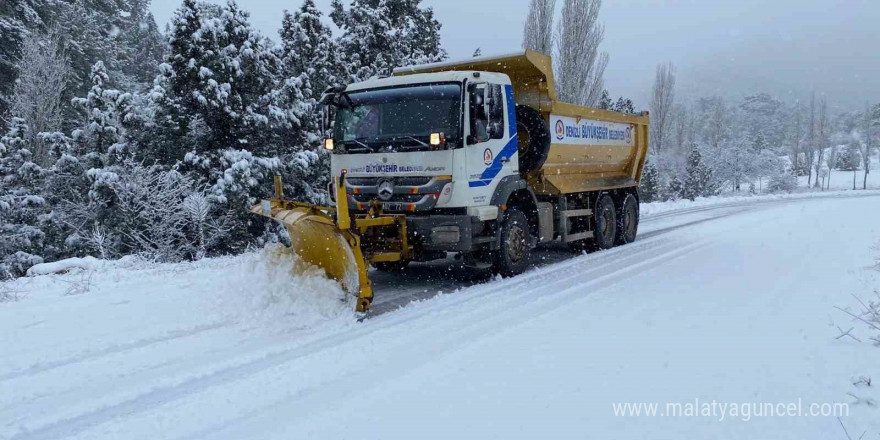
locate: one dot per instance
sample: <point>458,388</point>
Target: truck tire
<point>627,220</point>
<point>512,257</point>
<point>533,139</point>
<point>605,222</point>
<point>391,266</point>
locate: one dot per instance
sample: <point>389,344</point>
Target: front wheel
<point>512,258</point>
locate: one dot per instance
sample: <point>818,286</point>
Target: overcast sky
<point>727,47</point>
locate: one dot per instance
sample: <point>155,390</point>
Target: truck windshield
<point>399,118</point>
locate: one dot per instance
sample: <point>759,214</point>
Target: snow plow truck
<point>477,158</point>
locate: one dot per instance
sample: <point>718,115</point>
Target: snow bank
<point>273,284</point>
<point>66,265</point>
<point>259,288</point>
<point>648,210</point>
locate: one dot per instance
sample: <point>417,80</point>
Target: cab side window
<point>486,112</point>
<point>495,105</point>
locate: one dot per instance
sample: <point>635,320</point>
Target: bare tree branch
<point>580,67</point>
<point>43,73</point>
<point>662,100</point>
<point>538,29</point>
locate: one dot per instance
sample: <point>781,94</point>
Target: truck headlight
<point>437,139</point>
<point>328,144</point>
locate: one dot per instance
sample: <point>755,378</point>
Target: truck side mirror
<point>326,119</point>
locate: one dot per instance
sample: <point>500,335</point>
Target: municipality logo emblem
<point>560,129</point>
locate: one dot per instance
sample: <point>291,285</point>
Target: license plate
<point>394,206</point>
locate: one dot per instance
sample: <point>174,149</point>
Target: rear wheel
<point>627,220</point>
<point>391,266</point>
<point>605,223</point>
<point>513,255</point>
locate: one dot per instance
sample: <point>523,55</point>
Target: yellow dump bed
<point>591,149</point>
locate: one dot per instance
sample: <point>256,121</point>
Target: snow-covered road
<point>732,303</point>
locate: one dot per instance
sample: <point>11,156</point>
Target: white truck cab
<point>436,146</point>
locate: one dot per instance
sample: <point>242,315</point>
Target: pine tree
<point>307,48</point>
<point>674,189</point>
<point>142,46</point>
<point>379,35</point>
<point>102,131</point>
<point>649,187</point>
<point>698,179</point>
<point>21,238</point>
<point>90,28</point>
<point>605,101</point>
<point>849,158</point>
<point>216,85</point>
<point>624,105</point>
<point>759,142</point>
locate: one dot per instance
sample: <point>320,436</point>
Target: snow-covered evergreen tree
<point>90,29</point>
<point>674,189</point>
<point>307,48</point>
<point>142,47</point>
<point>849,158</point>
<point>217,83</point>
<point>624,105</point>
<point>21,206</point>
<point>379,35</point>
<point>698,179</point>
<point>605,102</point>
<point>105,108</point>
<point>649,187</point>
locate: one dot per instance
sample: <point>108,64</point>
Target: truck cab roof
<point>423,78</point>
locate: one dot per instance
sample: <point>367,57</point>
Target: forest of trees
<point>120,139</point>
<point>758,143</point>
<point>117,138</point>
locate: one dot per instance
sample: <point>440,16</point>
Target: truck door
<point>491,142</point>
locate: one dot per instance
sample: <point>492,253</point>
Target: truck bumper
<point>450,233</point>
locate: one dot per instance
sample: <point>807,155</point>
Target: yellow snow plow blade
<point>330,239</point>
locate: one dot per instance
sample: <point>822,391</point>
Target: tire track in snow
<point>165,394</point>
<point>113,349</point>
<point>255,363</point>
<point>519,310</point>
<point>400,290</point>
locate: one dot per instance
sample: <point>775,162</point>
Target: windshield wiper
<point>363,145</point>
<point>422,143</point>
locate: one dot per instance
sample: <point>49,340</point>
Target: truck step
<point>576,212</point>
<point>577,236</point>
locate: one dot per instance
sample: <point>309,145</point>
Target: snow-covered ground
<point>843,180</point>
<point>731,301</point>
